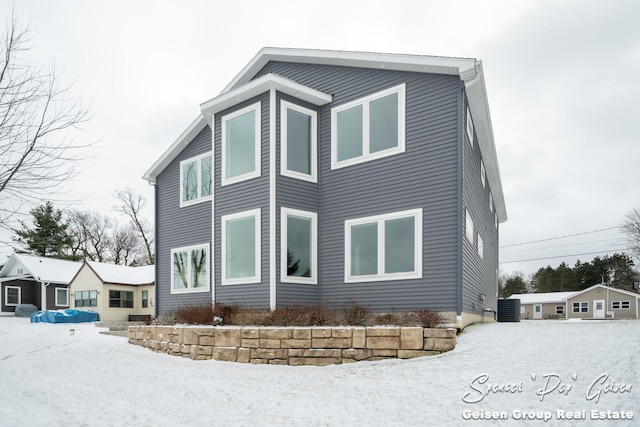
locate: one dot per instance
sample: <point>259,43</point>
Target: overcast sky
<point>562,82</point>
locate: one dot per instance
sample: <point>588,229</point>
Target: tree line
<point>615,270</point>
<point>87,235</point>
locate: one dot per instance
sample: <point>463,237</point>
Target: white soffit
<point>178,145</point>
<point>259,86</point>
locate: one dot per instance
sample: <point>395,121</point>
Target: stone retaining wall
<point>293,345</point>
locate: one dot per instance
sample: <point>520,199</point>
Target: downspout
<point>272,199</point>
<point>460,210</point>
<point>155,251</point>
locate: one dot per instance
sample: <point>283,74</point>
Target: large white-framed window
<point>62,297</point>
<point>241,241</point>
<point>195,179</point>
<point>241,133</point>
<point>12,296</point>
<point>469,126</point>
<point>384,247</point>
<point>298,132</point>
<point>468,226</point>
<point>298,246</point>
<point>368,128</point>
<point>190,269</point>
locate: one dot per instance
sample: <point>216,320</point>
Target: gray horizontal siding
<point>479,274</point>
<point>178,227</point>
<point>423,177</point>
<point>294,194</point>
<point>239,197</point>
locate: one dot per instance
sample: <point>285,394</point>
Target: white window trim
<point>258,137</point>
<point>480,246</point>
<point>199,198</point>
<point>483,175</point>
<point>580,304</point>
<point>469,126</point>
<point>380,219</point>
<point>366,155</point>
<point>284,162</point>
<point>188,249</point>
<point>58,304</point>
<point>468,226</point>
<point>284,277</point>
<point>559,309</point>
<point>490,203</point>
<point>6,296</point>
<point>257,215</point>
<point>620,305</point>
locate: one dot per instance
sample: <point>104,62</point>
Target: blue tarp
<point>64,316</point>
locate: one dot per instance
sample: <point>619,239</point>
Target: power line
<point>559,237</point>
<point>564,256</point>
<point>590,242</point>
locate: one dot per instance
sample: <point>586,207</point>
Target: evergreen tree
<point>512,285</point>
<point>48,236</point>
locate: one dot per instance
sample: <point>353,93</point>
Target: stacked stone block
<point>296,346</point>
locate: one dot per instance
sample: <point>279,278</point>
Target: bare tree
<point>125,245</point>
<point>631,226</point>
<point>132,206</point>
<point>91,233</point>
<point>37,157</point>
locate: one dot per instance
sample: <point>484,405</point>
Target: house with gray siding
<point>40,281</point>
<point>328,177</point>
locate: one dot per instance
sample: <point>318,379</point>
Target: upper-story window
<point>195,179</point>
<point>368,128</point>
<point>241,145</point>
<point>483,174</point>
<point>468,226</point>
<point>299,142</point>
<point>469,126</point>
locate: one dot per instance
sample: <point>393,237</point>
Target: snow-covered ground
<point>544,369</point>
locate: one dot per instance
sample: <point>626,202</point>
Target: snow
<point>51,376</point>
<point>122,274</point>
<point>42,268</point>
<point>543,297</point>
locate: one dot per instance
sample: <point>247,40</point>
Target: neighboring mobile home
<point>547,305</point>
<point>600,301</point>
<point>114,291</point>
<point>329,177</point>
<point>41,281</point>
<point>597,302</point>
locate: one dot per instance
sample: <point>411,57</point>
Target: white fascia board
<point>259,86</point>
<point>479,106</point>
<point>20,277</point>
<point>399,62</point>
<point>622,291</point>
<point>178,145</point>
